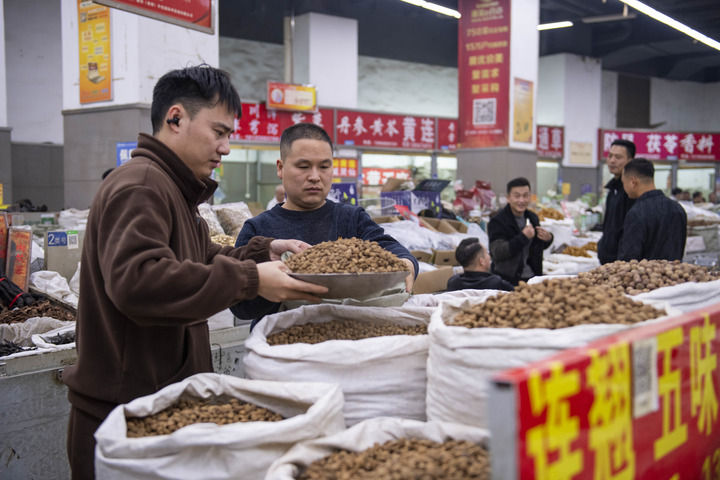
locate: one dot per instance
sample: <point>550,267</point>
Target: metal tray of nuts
<point>354,285</point>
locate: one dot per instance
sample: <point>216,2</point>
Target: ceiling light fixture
<point>434,7</point>
<point>550,26</point>
<point>608,18</point>
<point>661,17</point>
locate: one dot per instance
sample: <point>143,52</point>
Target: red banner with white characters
<point>666,145</point>
<point>642,404</point>
<point>345,167</point>
<point>447,136</point>
<point>365,129</point>
<point>195,14</point>
<point>550,141</point>
<point>484,73</point>
<point>258,124</point>
<point>378,176</point>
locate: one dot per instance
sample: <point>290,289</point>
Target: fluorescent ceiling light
<point>434,7</point>
<point>608,18</point>
<point>550,26</point>
<point>661,17</point>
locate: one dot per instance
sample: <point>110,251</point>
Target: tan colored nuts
<point>341,330</point>
<point>345,255</point>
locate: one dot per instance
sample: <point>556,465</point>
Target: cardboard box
<point>459,226</point>
<point>422,256</point>
<point>416,201</point>
<point>392,184</point>
<point>387,219</point>
<point>444,257</point>
<point>431,282</point>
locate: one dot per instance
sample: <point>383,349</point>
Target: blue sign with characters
<point>122,150</point>
<point>57,239</point>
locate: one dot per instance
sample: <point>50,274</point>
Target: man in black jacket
<point>476,275</point>
<point>617,203</point>
<point>517,240</point>
<point>655,227</point>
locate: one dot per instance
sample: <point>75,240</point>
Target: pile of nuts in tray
<point>341,330</point>
<point>345,255</point>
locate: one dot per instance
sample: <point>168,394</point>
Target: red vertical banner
<point>483,73</point>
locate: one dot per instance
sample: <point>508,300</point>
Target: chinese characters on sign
<point>378,176</point>
<point>447,136</point>
<point>344,167</point>
<point>195,14</point>
<point>284,96</point>
<point>94,58</point>
<point>578,418</point>
<point>550,141</point>
<point>666,145</point>
<point>383,130</point>
<point>259,124</point>
<point>483,73</point>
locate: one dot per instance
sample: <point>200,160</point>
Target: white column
<point>3,69</point>
<point>325,54</point>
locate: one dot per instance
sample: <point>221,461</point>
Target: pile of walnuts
<point>191,410</point>
<point>345,255</point>
<point>404,459</point>
<point>341,330</point>
<point>636,277</point>
<point>556,303</point>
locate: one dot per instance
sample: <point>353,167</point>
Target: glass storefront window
<point>238,175</point>
<point>697,179</point>
<point>547,179</point>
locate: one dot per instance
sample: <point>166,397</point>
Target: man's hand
<point>543,234</point>
<point>528,231</point>
<point>277,286</point>
<point>278,247</point>
<point>410,279</point>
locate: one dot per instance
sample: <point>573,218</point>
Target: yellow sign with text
<point>94,50</point>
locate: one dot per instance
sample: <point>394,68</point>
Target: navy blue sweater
<point>327,223</point>
<point>478,281</point>
<point>655,229</point>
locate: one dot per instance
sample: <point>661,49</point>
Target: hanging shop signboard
<point>666,145</point>
<point>258,124</point>
<point>447,135</point>
<point>295,98</point>
<point>378,176</point>
<point>642,404</point>
<point>195,14</point>
<point>483,73</point>
<point>94,52</point>
<point>381,130</point>
<point>345,167</point>
<point>550,141</point>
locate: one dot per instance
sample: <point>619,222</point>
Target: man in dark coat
<point>617,203</point>
<point>517,240</point>
<point>476,275</point>
<point>656,226</point>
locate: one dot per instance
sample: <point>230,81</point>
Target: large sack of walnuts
<point>244,426</point>
<point>471,340</point>
<point>377,355</point>
<point>383,448</point>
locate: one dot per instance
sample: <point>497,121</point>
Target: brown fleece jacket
<point>150,277</point>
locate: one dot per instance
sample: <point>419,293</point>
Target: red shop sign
<point>195,14</point>
<point>447,134</point>
<point>550,141</point>
<point>378,176</point>
<point>666,145</point>
<point>642,404</point>
<point>258,124</point>
<point>385,131</point>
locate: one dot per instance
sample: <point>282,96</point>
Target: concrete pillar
<point>5,160</point>
<point>325,54</point>
<point>142,50</point>
<point>570,91</point>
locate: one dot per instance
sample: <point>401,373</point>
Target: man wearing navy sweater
<point>306,169</point>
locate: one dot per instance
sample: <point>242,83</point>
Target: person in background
<point>676,193</point>
<point>476,275</point>
<point>617,202</point>
<point>150,275</point>
<point>107,172</point>
<point>655,227</point>
<point>697,197</point>
<point>278,198</point>
<point>713,198</point>
<point>517,240</point>
<point>305,167</point>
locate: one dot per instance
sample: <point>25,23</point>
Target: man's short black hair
<point>194,88</point>
<point>676,191</point>
<point>468,249</point>
<point>300,131</point>
<point>518,182</point>
<point>697,194</point>
<point>641,168</point>
<point>107,172</point>
<point>629,146</point>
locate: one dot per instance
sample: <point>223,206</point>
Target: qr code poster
<point>484,111</point>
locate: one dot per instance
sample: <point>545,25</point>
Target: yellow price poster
<point>94,46</point>
<point>523,111</point>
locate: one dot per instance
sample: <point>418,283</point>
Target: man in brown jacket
<point>150,275</point>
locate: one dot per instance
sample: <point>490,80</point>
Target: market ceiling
<point>396,30</point>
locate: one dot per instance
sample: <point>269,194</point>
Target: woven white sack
<point>364,435</point>
<point>461,360</point>
<point>210,451</point>
<point>381,376</point>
